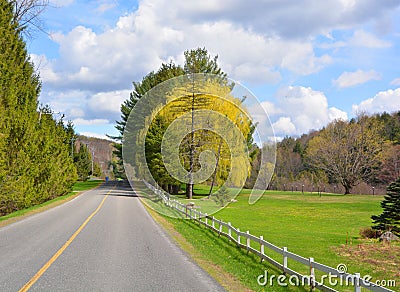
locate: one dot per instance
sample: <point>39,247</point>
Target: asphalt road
<point>120,248</point>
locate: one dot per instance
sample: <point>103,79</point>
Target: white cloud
<point>349,79</point>
<point>105,6</point>
<point>256,73</point>
<point>103,62</point>
<point>284,126</point>
<point>140,41</point>
<point>362,38</point>
<point>44,66</point>
<point>348,4</point>
<point>85,105</point>
<point>61,3</point>
<point>68,102</point>
<point>388,101</point>
<point>108,102</point>
<point>303,109</point>
<point>301,59</point>
<point>258,43</point>
<point>84,122</point>
<point>77,112</point>
<point>395,82</point>
<point>250,48</point>
<point>286,19</point>
<point>336,114</point>
<point>270,108</point>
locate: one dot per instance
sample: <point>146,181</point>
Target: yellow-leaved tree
<point>207,132</point>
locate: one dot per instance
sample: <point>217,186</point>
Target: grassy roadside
<point>21,214</point>
<point>229,265</point>
<point>227,280</point>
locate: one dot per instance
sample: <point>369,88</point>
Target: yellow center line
<point>61,250</point>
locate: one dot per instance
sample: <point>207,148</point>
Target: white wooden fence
<point>245,239</point>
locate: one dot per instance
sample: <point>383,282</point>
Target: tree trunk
<point>347,188</point>
<point>216,166</point>
<point>189,191</point>
<point>189,186</point>
<point>175,189</point>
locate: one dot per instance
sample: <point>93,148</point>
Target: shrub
<point>368,232</point>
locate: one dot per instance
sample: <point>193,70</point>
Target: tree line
<point>38,157</point>
<point>362,154</point>
<point>344,155</point>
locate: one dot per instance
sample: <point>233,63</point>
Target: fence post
<point>220,228</point>
<point>357,287</point>
<point>206,219</point>
<point>247,241</point>
<point>212,221</point>
<point>284,260</point>
<point>229,230</point>
<point>312,274</point>
<point>262,247</point>
<point>238,236</point>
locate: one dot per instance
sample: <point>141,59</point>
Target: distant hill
<point>101,150</point>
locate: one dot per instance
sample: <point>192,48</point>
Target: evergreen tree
<point>83,162</point>
<point>51,153</point>
<point>166,72</point>
<point>35,164</point>
<point>18,97</point>
<point>390,218</point>
<point>200,61</point>
<point>154,158</point>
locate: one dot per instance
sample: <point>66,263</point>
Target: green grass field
<point>325,228</point>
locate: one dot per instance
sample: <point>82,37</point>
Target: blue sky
<point>308,61</point>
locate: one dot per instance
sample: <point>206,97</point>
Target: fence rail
<point>244,239</point>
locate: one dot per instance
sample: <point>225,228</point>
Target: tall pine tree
<point>166,72</point>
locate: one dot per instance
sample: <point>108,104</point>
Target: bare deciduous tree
<point>347,151</point>
<point>27,14</point>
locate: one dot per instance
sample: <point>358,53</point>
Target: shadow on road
<point>118,189</point>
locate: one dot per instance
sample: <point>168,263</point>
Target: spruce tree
<point>83,162</point>
<point>18,96</point>
<point>390,218</point>
<point>35,162</point>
